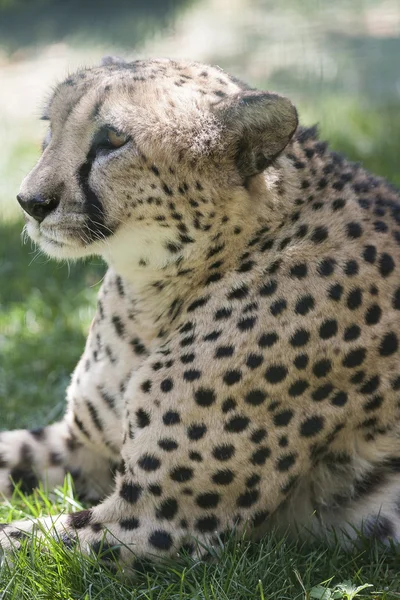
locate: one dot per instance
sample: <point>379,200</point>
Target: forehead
<point>165,80</point>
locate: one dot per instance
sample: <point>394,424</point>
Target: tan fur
<point>242,367</point>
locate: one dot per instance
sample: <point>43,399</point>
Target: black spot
<point>283,418</point>
<point>386,264</point>
<point>298,388</point>
<point>187,358</point>
<point>167,444</point>
<point>222,313</point>
<point>260,455</point>
<point>145,386</point>
<point>328,329</point>
<point>396,299</point>
<point>207,524</point>
<point>166,385</point>
<point>195,456</point>
<point>339,399</point>
<point>351,268</point>
<point>198,303</point>
<point>196,431</point>
<point>354,299</point>
<point>259,518</point>
<point>254,360</point>
<point>191,375</point>
<point>299,338</point>
<point>389,344</point>
<point>373,314</point>
<point>148,462</point>
<point>278,307</point>
<point>213,336</point>
<point>371,385</point>
<point>319,234</point>
<point>155,489</point>
<point>369,254</point>
<point>248,498</point>
<point>130,524</point>
<point>246,324</point>
<point>237,424</point>
<point>286,462</point>
<point>312,426</point>
<point>130,492</point>
<point>322,392</point>
<point>161,540</point>
<point>181,474</point>
<point>299,271</point>
<point>326,267</point>
<point>354,358</point>
<point>228,405</point>
<point>301,361</point>
<point>258,435</point>
<point>380,226</point>
<point>322,367</point>
<point>374,403</point>
<point>276,373</point>
<point>335,292</point>
<point>269,339</point>
<point>204,397</point>
<point>167,509</point>
<point>255,397</point>
<point>238,293</point>
<point>304,305</point>
<point>353,230</point>
<point>351,333</point>
<point>224,351</point>
<point>224,477</point>
<point>223,452</point>
<point>171,417</point>
<point>232,377</point>
<point>142,418</point>
<point>338,204</point>
<point>268,288</point>
<point>208,500</point>
<point>118,325</point>
<point>253,480</point>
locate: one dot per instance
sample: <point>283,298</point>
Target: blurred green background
<point>338,60</point>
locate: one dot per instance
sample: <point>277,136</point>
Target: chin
<point>58,246</point>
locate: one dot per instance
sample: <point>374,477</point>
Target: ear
<point>112,60</point>
<point>258,126</point>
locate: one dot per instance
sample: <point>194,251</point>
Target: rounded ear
<point>112,60</point>
<point>259,125</point>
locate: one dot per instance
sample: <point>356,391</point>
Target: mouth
<point>59,243</point>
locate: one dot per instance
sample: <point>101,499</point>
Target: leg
<point>343,499</point>
<point>45,455</point>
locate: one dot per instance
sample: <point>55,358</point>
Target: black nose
<point>38,206</point>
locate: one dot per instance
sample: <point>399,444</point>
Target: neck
<point>164,283</point>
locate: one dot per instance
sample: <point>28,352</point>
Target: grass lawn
<point>45,310</point>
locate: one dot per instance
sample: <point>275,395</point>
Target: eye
<point>108,139</point>
<point>116,139</point>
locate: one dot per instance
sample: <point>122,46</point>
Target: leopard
<point>241,373</point>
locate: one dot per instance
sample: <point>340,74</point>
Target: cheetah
<point>242,369</point>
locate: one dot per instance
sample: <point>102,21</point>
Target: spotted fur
<point>242,369</point>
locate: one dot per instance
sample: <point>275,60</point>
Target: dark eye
<point>116,139</point>
<point>108,138</point>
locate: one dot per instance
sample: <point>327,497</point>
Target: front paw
<point>13,535</point>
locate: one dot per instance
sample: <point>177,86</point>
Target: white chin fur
<point>58,248</point>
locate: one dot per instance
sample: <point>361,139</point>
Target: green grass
<point>45,310</point>
<point>271,569</point>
